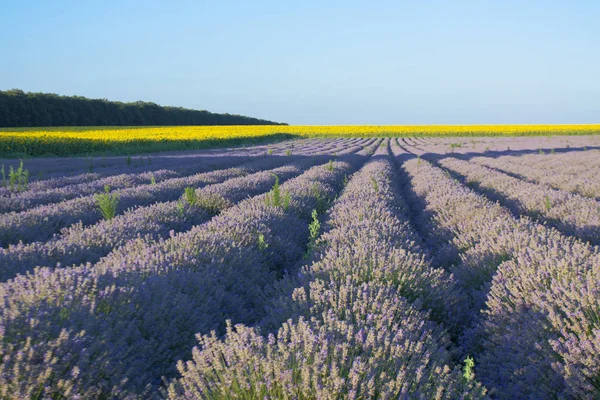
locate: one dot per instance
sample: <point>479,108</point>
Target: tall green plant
<point>107,203</point>
<point>17,179</point>
<point>275,198</point>
<point>190,196</point>
<point>313,228</point>
<point>468,369</point>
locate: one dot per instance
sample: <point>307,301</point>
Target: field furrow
<point>49,168</point>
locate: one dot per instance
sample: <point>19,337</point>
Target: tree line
<point>21,109</point>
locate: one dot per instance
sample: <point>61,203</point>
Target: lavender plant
<point>343,339</point>
<point>164,291</point>
<point>520,339</point>
<point>406,284</point>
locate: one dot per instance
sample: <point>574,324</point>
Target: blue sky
<point>316,62</point>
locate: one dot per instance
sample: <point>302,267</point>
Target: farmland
<point>69,141</point>
<point>460,264</point>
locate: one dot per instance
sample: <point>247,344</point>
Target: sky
<point>316,62</point>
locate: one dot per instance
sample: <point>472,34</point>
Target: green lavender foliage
<point>285,200</point>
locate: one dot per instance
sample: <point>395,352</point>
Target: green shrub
<point>107,203</point>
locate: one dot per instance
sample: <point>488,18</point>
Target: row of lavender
<point>533,292</point>
<point>40,223</point>
<point>355,324</point>
<point>65,186</point>
<point>81,243</point>
<point>56,173</point>
<point>497,146</point>
<point>375,320</point>
<point>115,328</point>
<point>47,173</point>
<point>576,172</point>
<point>571,213</point>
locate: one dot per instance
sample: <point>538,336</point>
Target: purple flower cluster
<point>350,332</point>
<point>115,328</point>
<point>537,334</point>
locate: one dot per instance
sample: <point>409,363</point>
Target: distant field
<point>69,141</point>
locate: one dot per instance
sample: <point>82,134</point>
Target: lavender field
<point>350,268</point>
